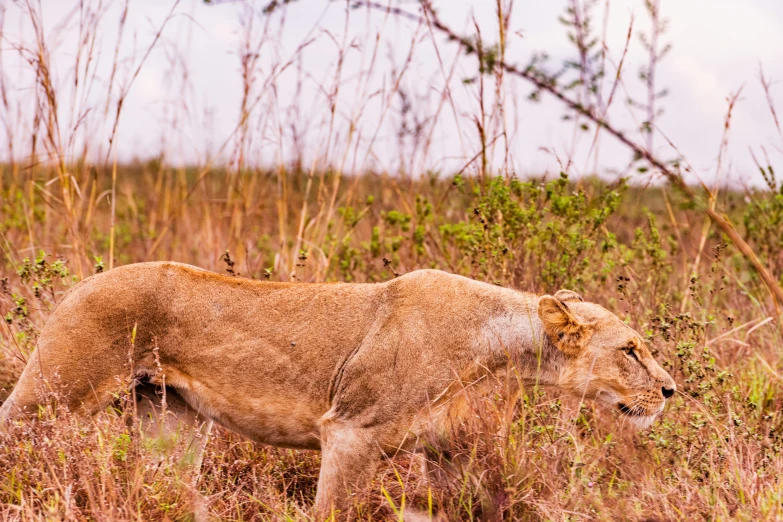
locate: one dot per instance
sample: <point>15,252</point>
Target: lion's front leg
<point>443,468</point>
<point>350,457</point>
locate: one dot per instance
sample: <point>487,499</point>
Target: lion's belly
<point>266,414</point>
<point>276,421</point>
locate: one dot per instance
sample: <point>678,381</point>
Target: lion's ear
<point>567,295</point>
<point>565,331</point>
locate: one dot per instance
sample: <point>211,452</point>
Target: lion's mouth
<point>636,411</point>
<point>639,415</point>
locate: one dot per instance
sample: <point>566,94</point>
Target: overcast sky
<point>719,47</point>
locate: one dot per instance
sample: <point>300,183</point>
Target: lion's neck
<point>515,337</point>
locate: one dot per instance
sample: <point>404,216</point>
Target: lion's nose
<point>667,392</point>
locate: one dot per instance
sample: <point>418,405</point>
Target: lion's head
<point>606,360</point>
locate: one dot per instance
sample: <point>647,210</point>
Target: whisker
<point>627,412</point>
<point>632,410</point>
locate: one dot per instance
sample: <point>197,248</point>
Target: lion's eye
<point>630,352</point>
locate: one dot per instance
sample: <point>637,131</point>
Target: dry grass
<point>647,253</point>
<point>715,454</point>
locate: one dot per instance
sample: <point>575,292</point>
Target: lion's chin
<point>643,422</point>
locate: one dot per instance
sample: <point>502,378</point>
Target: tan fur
<point>358,371</point>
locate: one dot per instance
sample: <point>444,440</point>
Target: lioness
<point>357,371</point>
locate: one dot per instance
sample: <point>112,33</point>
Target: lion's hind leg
<point>164,415</point>
<point>178,432</point>
<point>163,411</point>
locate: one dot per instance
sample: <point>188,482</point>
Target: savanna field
<point>692,262</point>
<point>715,454</point>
